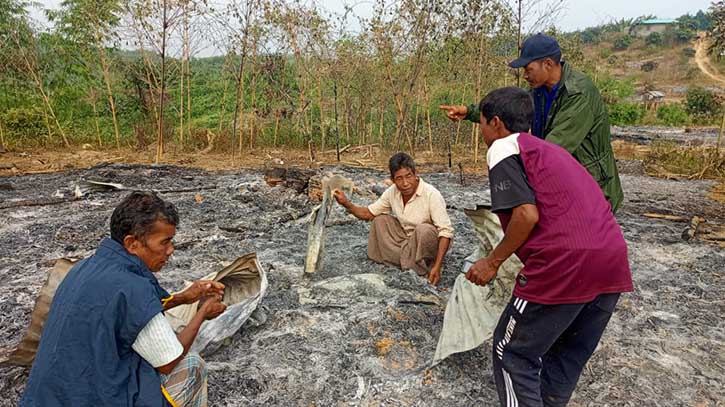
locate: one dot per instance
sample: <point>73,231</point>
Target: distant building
<point>652,99</point>
<point>644,28</point>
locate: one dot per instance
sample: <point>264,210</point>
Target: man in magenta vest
<point>559,224</point>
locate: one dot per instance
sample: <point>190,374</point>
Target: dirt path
<point>703,62</point>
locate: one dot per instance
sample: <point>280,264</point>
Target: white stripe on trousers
<point>520,305</point>
<point>507,337</point>
<point>511,400</point>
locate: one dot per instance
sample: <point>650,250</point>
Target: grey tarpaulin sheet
<point>473,311</point>
<point>245,283</point>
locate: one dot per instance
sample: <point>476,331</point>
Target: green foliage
<point>24,125</point>
<point>86,22</point>
<point>15,33</point>
<point>620,25</point>
<point>615,90</point>
<point>717,28</point>
<point>654,39</point>
<point>375,72</point>
<point>571,48</point>
<point>699,22</point>
<point>626,114</point>
<point>680,35</point>
<point>591,35</point>
<point>692,73</point>
<point>702,103</point>
<point>622,42</point>
<point>688,52</point>
<point>672,114</point>
<point>683,31</point>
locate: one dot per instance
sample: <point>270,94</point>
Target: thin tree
<point>28,57</point>
<point>154,22</point>
<point>244,13</point>
<point>92,25</point>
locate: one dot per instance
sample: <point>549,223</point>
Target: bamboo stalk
<point>382,125</point>
<point>427,103</point>
<point>253,118</point>
<point>107,81</point>
<point>95,116</point>
<point>346,117</point>
<point>181,105</point>
<point>276,129</point>
<point>478,96</point>
<point>415,124</point>
<point>188,70</point>
<point>719,136</point>
<point>222,108</point>
<point>322,113</point>
<point>160,137</point>
<point>239,95</point>
<point>370,127</point>
<point>47,122</point>
<point>46,100</point>
<point>337,130</point>
<point>2,138</point>
<point>242,92</point>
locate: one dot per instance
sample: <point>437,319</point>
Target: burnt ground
<point>702,136</point>
<point>368,345</point>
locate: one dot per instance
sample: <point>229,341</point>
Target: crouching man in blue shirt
<point>106,341</point>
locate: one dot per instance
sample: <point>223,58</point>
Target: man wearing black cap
<point>568,111</point>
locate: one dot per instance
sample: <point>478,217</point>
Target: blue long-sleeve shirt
<point>541,110</point>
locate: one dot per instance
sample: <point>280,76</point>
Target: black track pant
<point>539,350</point>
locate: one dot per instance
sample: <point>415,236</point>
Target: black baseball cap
<point>536,47</point>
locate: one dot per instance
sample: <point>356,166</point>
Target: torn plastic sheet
<point>472,311</point>
<point>245,284</point>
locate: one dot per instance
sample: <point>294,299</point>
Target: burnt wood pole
<point>450,155</point>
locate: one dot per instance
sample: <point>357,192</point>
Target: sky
<point>577,14</point>
<point>586,13</point>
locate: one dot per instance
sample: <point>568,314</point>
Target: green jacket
<point>578,121</point>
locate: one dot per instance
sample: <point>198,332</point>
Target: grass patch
<point>667,159</point>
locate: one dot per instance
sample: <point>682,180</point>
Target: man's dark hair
<point>138,212</point>
<point>512,105</point>
<point>399,161</point>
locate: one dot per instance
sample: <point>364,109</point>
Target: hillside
<point>675,68</point>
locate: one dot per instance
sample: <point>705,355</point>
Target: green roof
<point>658,21</point>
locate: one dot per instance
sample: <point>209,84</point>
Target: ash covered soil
<point>371,344</point>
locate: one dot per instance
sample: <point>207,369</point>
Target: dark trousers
<point>539,350</point>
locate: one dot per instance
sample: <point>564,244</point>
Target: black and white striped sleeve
<point>509,185</point>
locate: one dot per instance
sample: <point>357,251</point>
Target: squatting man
<point>106,341</point>
<point>410,226</point>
